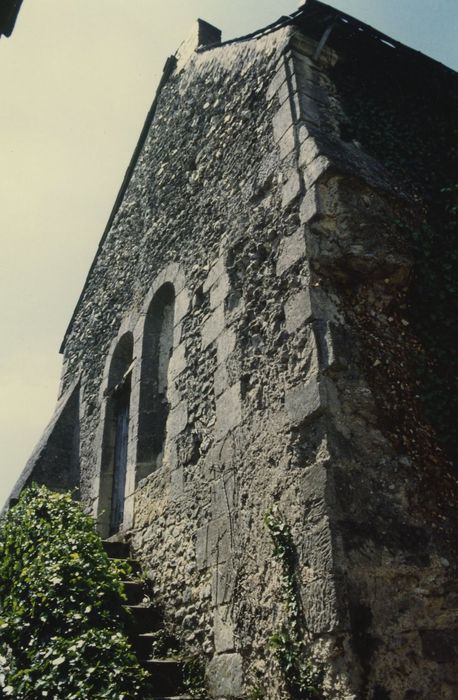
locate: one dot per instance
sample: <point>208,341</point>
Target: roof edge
<point>168,69</point>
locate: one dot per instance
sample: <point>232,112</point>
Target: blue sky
<point>77,80</point>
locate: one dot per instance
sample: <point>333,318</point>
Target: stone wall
<point>277,236</point>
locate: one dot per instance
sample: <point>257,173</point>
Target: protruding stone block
<point>292,249</point>
<point>177,362</point>
<point>304,401</point>
<point>182,302</point>
<point>176,483</point>
<point>282,120</point>
<point>223,630</point>
<point>225,676</point>
<point>228,410</point>
<point>298,310</point>
<point>291,189</point>
<point>223,580</point>
<point>213,326</point>
<point>219,291</point>
<point>213,543</point>
<point>177,420</point>
<point>225,345</point>
<point>216,271</point>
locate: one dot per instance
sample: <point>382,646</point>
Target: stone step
<point>116,550</point>
<point>143,619</point>
<point>166,676</point>
<point>143,644</point>
<point>134,569</point>
<point>135,591</point>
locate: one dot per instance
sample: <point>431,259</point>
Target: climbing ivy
<point>61,606</point>
<point>302,678</point>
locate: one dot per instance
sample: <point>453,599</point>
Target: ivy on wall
<point>303,680</point>
<point>61,606</point>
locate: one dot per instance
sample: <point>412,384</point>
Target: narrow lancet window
<point>116,433</point>
<point>154,404</point>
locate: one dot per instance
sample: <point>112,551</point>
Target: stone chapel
<point>245,343</point>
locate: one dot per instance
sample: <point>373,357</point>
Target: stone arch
<point>153,406</point>
<point>114,453</point>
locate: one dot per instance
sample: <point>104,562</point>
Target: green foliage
<point>61,609</point>
<point>302,678</point>
<point>194,677</point>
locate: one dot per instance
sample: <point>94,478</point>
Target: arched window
<point>154,406</point>
<point>115,438</point>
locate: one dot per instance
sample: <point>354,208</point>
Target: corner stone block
<point>310,206</point>
<point>182,302</point>
<point>219,291</point>
<point>324,613</point>
<point>225,345</point>
<point>178,420</point>
<point>304,401</point>
<point>213,543</point>
<point>318,167</point>
<point>298,310</point>
<point>287,143</point>
<point>222,496</point>
<point>291,189</point>
<point>217,270</point>
<point>309,111</point>
<point>277,81</point>
<point>223,579</point>
<point>177,362</point>
<point>292,249</point>
<point>220,380</point>
<point>213,326</point>
<point>223,630</point>
<point>228,410</point>
<point>282,120</point>
<point>225,676</point>
<point>176,484</point>
<point>308,151</point>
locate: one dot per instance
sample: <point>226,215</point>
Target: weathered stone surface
<point>225,676</point>
<point>291,189</point>
<point>177,483</point>
<point>223,629</point>
<point>219,291</point>
<point>228,410</point>
<point>291,250</point>
<point>298,310</point>
<point>225,345</point>
<point>213,543</point>
<point>304,401</point>
<point>223,580</point>
<point>177,420</point>
<point>177,362</point>
<point>213,208</point>
<point>212,328</point>
<point>283,120</point>
<point>216,271</point>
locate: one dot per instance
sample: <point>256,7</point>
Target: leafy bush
<point>61,606</point>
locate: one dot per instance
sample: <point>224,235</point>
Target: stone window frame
<point>134,323</point>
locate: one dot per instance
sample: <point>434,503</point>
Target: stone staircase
<point>167,674</point>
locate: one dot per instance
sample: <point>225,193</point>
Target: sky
<point>77,78</point>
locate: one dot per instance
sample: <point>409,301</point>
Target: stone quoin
<point>216,365</point>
